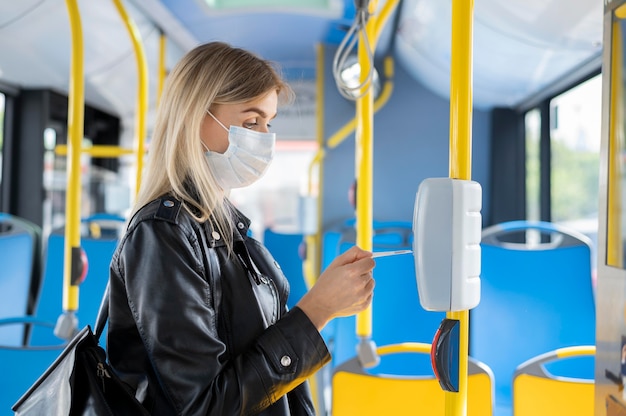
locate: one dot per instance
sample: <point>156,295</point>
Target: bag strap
<point>103,314</point>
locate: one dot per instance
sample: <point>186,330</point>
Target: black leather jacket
<point>197,332</point>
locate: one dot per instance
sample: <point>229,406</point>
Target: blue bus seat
<point>100,234</point>
<point>330,247</point>
<point>397,315</point>
<point>285,247</point>
<point>20,251</point>
<point>535,298</point>
<point>22,365</point>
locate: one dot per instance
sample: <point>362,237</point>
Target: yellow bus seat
<point>357,391</point>
<point>538,392</point>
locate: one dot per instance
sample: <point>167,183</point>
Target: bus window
<point>102,190</point>
<point>53,203</point>
<point>533,178</point>
<point>575,153</point>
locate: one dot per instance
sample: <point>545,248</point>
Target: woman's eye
<point>253,125</point>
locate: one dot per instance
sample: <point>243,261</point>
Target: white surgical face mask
<point>248,156</point>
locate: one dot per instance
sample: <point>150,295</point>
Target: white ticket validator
<point>447,227</point>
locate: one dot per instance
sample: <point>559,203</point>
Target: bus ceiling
<point>521,47</point>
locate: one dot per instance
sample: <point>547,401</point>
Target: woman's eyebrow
<point>259,112</point>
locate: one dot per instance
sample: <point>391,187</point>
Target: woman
<point>198,323</point>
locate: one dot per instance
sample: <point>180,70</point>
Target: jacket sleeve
<point>171,302</point>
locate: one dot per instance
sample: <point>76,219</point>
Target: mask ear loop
<point>218,122</point>
<point>215,118</point>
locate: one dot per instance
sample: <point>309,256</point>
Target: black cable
<point>361,4</point>
<point>394,28</point>
<point>344,52</point>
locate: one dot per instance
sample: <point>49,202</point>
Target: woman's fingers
<point>350,256</point>
<point>344,288</point>
<point>362,266</point>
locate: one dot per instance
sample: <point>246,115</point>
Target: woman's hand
<point>343,289</point>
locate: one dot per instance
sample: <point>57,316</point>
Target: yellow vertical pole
<point>460,160</point>
<point>142,88</point>
<point>614,248</point>
<point>364,162</point>
<point>162,69</point>
<point>75,127</point>
<point>320,82</point>
<point>312,263</point>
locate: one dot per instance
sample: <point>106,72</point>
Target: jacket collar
<point>241,223</point>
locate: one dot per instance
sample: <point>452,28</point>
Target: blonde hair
<point>212,73</point>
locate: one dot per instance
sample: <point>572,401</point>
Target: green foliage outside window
<point>575,176</point>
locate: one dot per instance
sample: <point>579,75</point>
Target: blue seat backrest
<point>20,368</point>
<point>19,257</point>
<point>534,299</point>
<point>330,247</point>
<point>99,251</point>
<point>285,247</point>
<point>397,315</point>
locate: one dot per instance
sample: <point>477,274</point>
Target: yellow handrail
<point>364,161</point>
<point>460,161</point>
<point>72,255</point>
<point>162,69</point>
<point>104,151</point>
<point>142,88</point>
<point>364,158</point>
<point>312,263</point>
<point>403,347</point>
<point>574,351</point>
<point>75,128</point>
<point>614,244</point>
<point>344,131</point>
<point>378,24</point>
